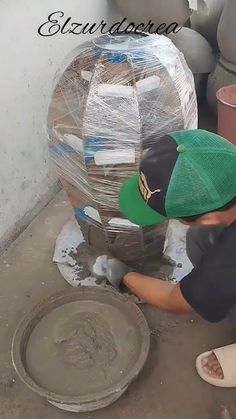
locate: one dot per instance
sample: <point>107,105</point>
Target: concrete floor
<point>168,387</point>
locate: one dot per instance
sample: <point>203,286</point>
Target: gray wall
<point>28,64</point>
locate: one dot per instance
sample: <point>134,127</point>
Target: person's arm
<point>161,294</point>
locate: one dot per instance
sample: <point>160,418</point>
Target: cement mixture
<point>75,259</point>
<point>90,351</point>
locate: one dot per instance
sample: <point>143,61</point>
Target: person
<point>189,176</point>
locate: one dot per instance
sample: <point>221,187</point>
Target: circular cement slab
<point>81,349</point>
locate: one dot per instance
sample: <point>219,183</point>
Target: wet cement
<point>135,248</point>
<point>83,348</point>
<point>146,258</point>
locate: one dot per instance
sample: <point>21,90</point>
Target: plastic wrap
<point>118,95</point>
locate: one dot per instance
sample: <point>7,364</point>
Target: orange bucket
<point>226,97</point>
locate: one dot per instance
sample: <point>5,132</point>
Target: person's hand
<point>112,269</point>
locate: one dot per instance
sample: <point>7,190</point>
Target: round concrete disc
<point>87,347</point>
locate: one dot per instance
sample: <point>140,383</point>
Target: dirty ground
<point>168,387</point>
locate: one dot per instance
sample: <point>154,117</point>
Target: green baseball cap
<point>185,173</point>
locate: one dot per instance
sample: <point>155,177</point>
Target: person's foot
<point>218,367</point>
<point>211,366</point>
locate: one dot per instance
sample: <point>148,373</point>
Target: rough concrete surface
<point>168,387</point>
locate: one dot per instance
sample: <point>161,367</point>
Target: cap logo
<point>144,188</point>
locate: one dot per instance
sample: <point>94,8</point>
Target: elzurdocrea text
<point>57,23</point>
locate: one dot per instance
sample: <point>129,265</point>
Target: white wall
<point>27,66</point>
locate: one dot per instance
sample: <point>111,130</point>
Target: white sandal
<point>227,360</point>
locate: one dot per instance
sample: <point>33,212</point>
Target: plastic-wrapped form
<point>118,95</point>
